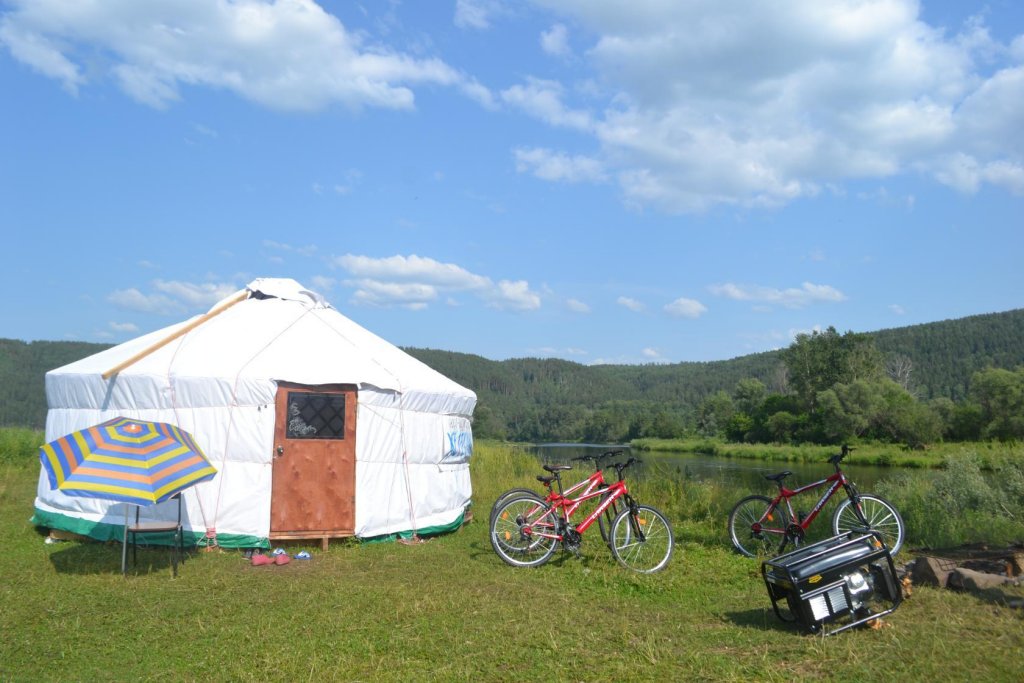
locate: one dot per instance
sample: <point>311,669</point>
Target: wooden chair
<point>133,531</point>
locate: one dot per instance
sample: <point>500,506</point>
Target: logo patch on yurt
<point>458,440</point>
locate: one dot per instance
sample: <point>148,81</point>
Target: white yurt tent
<point>317,427</point>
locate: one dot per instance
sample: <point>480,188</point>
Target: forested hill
<point>945,354</point>
<point>547,399</point>
<point>22,370</point>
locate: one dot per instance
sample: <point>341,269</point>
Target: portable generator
<point>848,578</point>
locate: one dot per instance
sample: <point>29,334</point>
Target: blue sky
<point>593,180</point>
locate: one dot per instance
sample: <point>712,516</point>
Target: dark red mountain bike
<point>759,525</point>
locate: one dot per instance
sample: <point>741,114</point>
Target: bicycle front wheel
<point>516,529</point>
<point>876,514</point>
<point>641,539</point>
<point>755,528</point>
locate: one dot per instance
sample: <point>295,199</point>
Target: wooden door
<point>313,490</point>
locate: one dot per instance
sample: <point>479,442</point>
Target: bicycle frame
<point>567,506</point>
<point>838,480</point>
<point>595,480</point>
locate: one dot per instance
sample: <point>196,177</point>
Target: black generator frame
<point>818,569</point>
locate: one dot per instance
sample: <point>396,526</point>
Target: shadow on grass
<point>761,619</point>
<point>483,552</point>
<point>996,596</point>
<point>105,558</point>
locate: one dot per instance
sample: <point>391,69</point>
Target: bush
<point>20,445</point>
<point>960,504</point>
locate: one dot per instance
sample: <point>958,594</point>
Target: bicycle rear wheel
<point>506,496</point>
<point>878,515</point>
<point>641,539</point>
<point>755,529</point>
<point>515,531</point>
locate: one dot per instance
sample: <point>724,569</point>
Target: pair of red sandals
<point>261,559</point>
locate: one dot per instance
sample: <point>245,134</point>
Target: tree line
<point>842,388</point>
<point>955,379</point>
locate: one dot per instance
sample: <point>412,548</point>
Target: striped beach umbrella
<point>126,460</point>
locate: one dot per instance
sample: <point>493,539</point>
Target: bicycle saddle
<point>557,468</point>
<point>778,477</point>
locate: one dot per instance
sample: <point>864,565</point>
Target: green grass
<point>20,445</point>
<point>448,609</point>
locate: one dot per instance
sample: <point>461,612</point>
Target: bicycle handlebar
<point>838,457</point>
<point>619,466</point>
<point>598,458</point>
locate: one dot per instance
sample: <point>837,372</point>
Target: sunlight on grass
<point>449,609</point>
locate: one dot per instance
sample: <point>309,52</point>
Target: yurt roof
<point>279,331</point>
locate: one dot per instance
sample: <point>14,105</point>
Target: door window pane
<point>316,416</point>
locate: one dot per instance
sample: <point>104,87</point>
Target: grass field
<point>449,610</point>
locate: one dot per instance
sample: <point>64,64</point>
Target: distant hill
<point>23,366</point>
<point>540,399</point>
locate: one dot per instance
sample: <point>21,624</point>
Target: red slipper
<point>260,558</point>
<point>282,559</point>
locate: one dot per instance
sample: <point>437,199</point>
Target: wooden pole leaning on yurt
<point>171,337</point>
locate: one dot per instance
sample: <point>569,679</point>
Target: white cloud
<point>171,297</point>
<point>794,332</point>
<point>205,130</point>
<point>759,104</point>
<point>965,173</point>
<point>409,295</point>
<point>289,54</point>
<point>793,297</point>
<point>555,41</point>
<point>651,354</point>
<point>543,99</point>
<point>350,179</point>
<point>322,283</point>
<point>549,165</point>
<point>686,308</point>
<point>577,306</point>
<point>897,309</point>
<point>418,281</point>
<point>195,295</point>
<point>41,53</point>
<point>134,300</point>
<point>124,327</point>
<point>413,267</point>
<point>513,295</point>
<point>475,14</point>
<point>630,303</point>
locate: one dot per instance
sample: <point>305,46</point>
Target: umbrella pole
<point>124,543</point>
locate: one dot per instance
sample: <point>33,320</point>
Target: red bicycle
<point>757,524</point>
<point>592,483</point>
<point>526,529</point>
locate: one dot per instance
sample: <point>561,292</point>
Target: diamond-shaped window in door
<point>316,416</point>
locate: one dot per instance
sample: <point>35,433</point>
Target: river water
<point>746,476</point>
